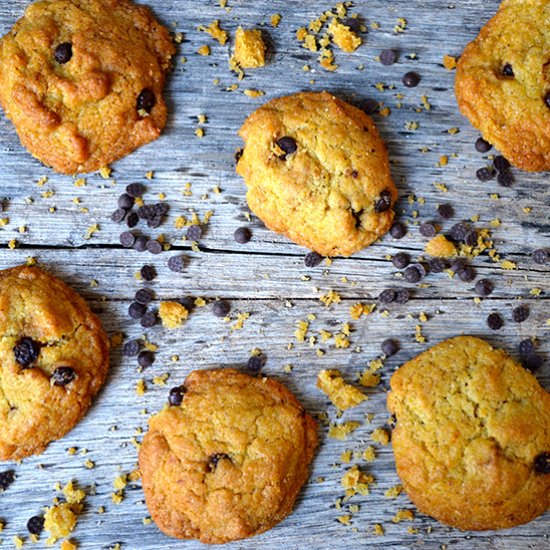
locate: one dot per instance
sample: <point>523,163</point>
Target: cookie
<point>82,81</point>
<point>503,83</point>
<point>472,436</point>
<point>317,171</point>
<point>226,459</point>
<point>53,360</point>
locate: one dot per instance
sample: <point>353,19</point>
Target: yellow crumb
<point>275,20</point>
<point>249,48</point>
<point>449,62</point>
<point>60,519</point>
<point>215,31</point>
<point>68,545</point>
<point>204,50</point>
<point>344,396</point>
<point>343,36</point>
<point>380,435</point>
<point>355,482</point>
<point>341,431</point>
<point>403,515</point>
<point>440,247</point>
<point>172,314</point>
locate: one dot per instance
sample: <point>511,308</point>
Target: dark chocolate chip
<point>141,243</point>
<point>483,146</point>
<point>136,310</point>
<point>127,239</point>
<point>187,302</point>
<point>148,273</point>
<point>388,57</point>
<point>146,100</point>
<point>467,275</point>
<point>532,362</point>
<point>507,70</point>
<point>149,319</point>
<point>145,358</point>
<point>520,314</point>
<point>26,351</point>
<point>238,154</point>
<point>6,479</point>
<point>194,232</point>
<point>35,525</point>
<point>312,259</point>
<point>542,463</point>
<point>125,201</point>
<point>215,458</point>
<point>411,79</point>
<point>505,179</point>
<point>401,260</point>
<point>501,164</point>
<point>389,347</point>
<point>387,296</point>
<point>175,396</point>
<point>135,190</point>
<point>287,145</point>
<point>383,204</point>
<point>154,247</point>
<point>485,174</point>
<point>540,256</point>
<point>370,106</point>
<point>412,274</point>
<point>132,219</point>
<point>242,235</point>
<point>398,230</point>
<point>118,215</point>
<point>176,264</point>
<point>494,321</point>
<point>402,296</point>
<point>484,287</point>
<point>63,53</point>
<point>221,308</point>
<point>437,265</point>
<point>144,296</point>
<point>526,347</point>
<point>458,265</point>
<point>63,375</point>
<point>131,348</point>
<point>458,231</point>
<point>255,363</point>
<point>427,230</point>
<point>154,222</point>
<point>446,211</point>
<point>470,238</point>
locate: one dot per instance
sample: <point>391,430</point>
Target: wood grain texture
<point>266,277</point>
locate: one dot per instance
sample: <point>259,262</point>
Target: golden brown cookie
<point>472,436</point>
<point>82,80</point>
<point>227,458</point>
<point>317,172</point>
<point>503,83</point>
<point>53,360</point>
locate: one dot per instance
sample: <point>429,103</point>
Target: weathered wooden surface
<point>264,278</point>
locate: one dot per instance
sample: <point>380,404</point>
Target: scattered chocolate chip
<point>194,232</point>
<point>458,265</point>
<point>146,100</point>
<point>127,239</point>
<point>35,525</point>
<point>485,174</point>
<point>141,243</point>
<point>176,264</point>
<point>132,220</point>
<point>221,308</point>
<point>520,314</point>
<point>413,274</point>
<point>458,231</point>
<point>494,321</point>
<point>389,347</point>
<point>388,57</point>
<point>398,230</point>
<point>175,396</point>
<point>387,296</point>
<point>26,351</point>
<point>145,358</point>
<point>483,146</point>
<point>437,265</point>
<point>526,347</point>
<point>467,275</point>
<point>214,459</point>
<point>255,363</point>
<point>6,479</point>
<point>149,319</point>
<point>287,145</point>
<point>187,302</point>
<point>131,348</point>
<point>411,79</point>
<point>63,53</point>
<point>402,296</point>
<point>542,463</point>
<point>125,201</point>
<point>470,239</point>
<point>383,204</point>
<point>505,179</point>
<point>540,256</point>
<point>507,70</point>
<point>446,211</point>
<point>136,310</point>
<point>63,375</point>
<point>135,190</point>
<point>242,235</point>
<point>370,106</point>
<point>501,164</point>
<point>148,273</point>
<point>118,215</point>
<point>401,260</point>
<point>154,222</point>
<point>532,362</point>
<point>151,211</point>
<point>312,259</point>
<point>154,247</point>
<point>144,296</point>
<point>427,230</point>
<point>484,287</point>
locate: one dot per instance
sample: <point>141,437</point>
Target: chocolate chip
<point>446,211</point>
<point>63,53</point>
<point>176,264</point>
<point>26,351</point>
<point>485,174</point>
<point>151,211</point>
<point>494,321</point>
<point>383,204</point>
<point>411,79</point>
<point>149,319</point>
<point>194,232</point>
<point>118,215</point>
<point>401,260</point>
<point>520,314</point>
<point>141,243</point>
<point>238,154</point>
<point>255,363</point>
<point>221,308</point>
<point>526,347</point>
<point>370,106</point>
<point>154,247</point>
<point>388,57</point>
<point>402,296</point>
<point>63,375</point>
<point>312,259</point>
<point>214,459</point>
<point>144,296</point>
<point>507,70</point>
<point>398,230</point>
<point>540,256</point>
<point>287,145</point>
<point>135,190</point>
<point>136,310</point>
<point>389,347</point>
<point>483,146</point>
<point>505,179</point>
<point>427,230</point>
<point>2,205</point>
<point>501,164</point>
<point>458,265</point>
<point>35,525</point>
<point>154,222</point>
<point>125,201</point>
<point>458,231</point>
<point>484,287</point>
<point>467,275</point>
<point>437,265</point>
<point>146,358</point>
<point>413,274</point>
<point>187,302</point>
<point>127,239</point>
<point>387,296</point>
<point>146,100</point>
<point>532,362</point>
<point>175,396</point>
<point>547,99</point>
<point>132,220</point>
<point>6,479</point>
<point>470,238</point>
<point>131,348</point>
<point>242,235</point>
<point>148,273</point>
<point>542,463</point>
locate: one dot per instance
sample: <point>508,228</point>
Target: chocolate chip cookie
<point>317,171</point>
<point>53,360</point>
<point>226,458</point>
<point>472,436</point>
<point>503,83</point>
<point>82,80</point>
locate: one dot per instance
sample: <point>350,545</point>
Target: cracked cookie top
<point>82,80</point>
<point>53,360</point>
<point>317,171</point>
<point>503,83</point>
<point>227,458</point>
<point>472,435</point>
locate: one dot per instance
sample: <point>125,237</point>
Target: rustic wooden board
<point>267,278</point>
